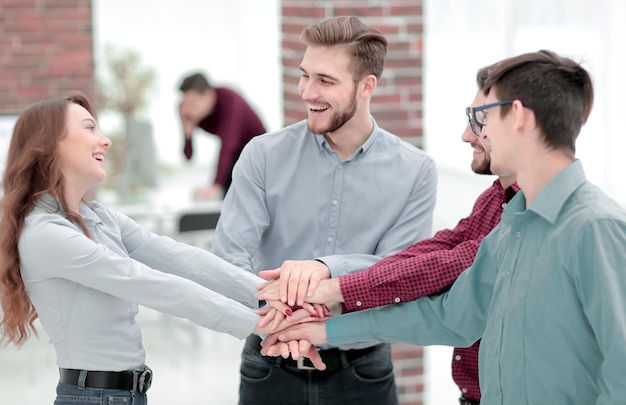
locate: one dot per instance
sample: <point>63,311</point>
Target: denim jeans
<point>368,379</point>
<point>68,394</point>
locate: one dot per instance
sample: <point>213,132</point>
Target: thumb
<point>270,274</point>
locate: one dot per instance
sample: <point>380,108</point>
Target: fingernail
<point>288,312</point>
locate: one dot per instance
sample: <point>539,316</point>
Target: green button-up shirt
<point>547,293</point>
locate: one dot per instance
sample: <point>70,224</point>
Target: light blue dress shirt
<point>547,293</point>
<point>86,291</point>
<point>292,198</point>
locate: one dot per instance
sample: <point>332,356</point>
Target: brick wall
<point>46,50</point>
<point>397,101</point>
<point>396,104</point>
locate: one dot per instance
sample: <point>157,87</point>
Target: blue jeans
<point>368,379</point>
<point>68,394</point>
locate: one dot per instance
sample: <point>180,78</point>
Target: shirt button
<point>330,240</point>
<point>396,300</point>
<point>457,357</point>
<point>496,392</point>
<point>464,390</point>
<point>335,202</point>
<point>358,303</point>
<point>518,234</point>
<point>503,205</point>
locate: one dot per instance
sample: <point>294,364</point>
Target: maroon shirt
<point>234,121</point>
<point>428,267</point>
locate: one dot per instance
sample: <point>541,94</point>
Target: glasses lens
<point>476,126</point>
<point>480,117</point>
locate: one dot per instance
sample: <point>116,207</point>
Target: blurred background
<point>130,57</point>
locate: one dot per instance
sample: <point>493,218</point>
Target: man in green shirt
<point>547,290</point>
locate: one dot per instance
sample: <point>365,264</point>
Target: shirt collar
<point>509,192</point>
<point>52,205</point>
<point>554,195</point>
<point>323,144</point>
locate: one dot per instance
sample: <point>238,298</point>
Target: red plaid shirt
<point>428,267</point>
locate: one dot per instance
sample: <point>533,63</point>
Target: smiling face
<point>497,137</point>
<point>481,162</point>
<point>327,88</point>
<point>81,151</point>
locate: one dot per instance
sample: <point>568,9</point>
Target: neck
<point>347,139</point>
<point>540,171</point>
<point>73,198</point>
<point>507,181</point>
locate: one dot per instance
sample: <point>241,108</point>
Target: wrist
<point>329,291</point>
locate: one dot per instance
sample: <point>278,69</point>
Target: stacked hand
<point>298,291</point>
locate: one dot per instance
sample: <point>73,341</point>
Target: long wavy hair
<point>32,170</point>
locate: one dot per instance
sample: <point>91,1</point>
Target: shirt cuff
<point>349,328</point>
<point>356,292</point>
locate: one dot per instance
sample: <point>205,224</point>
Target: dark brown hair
<point>557,89</point>
<point>197,82</point>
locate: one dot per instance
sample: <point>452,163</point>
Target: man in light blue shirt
<point>547,290</point>
<point>336,192</point>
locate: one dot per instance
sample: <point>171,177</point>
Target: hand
<point>295,340</point>
<point>328,290</point>
<point>188,123</point>
<point>215,192</point>
<point>296,349</point>
<point>298,279</point>
<point>272,320</point>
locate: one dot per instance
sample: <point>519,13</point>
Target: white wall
<point>462,37</point>
<point>235,42</point>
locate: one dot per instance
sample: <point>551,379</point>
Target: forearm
<point>408,279</point>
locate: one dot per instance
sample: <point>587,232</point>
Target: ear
<point>368,85</point>
<point>523,118</point>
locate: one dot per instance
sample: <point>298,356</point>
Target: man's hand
<point>188,123</point>
<point>327,292</point>
<point>298,279</point>
<point>296,349</point>
<point>297,340</point>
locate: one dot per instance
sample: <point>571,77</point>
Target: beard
<point>483,166</point>
<point>338,119</point>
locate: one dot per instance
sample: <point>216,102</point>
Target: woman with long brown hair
<point>83,269</point>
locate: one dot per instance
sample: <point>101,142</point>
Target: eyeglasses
<point>477,116</point>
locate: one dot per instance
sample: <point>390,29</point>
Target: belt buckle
<point>145,380</point>
<point>302,366</point>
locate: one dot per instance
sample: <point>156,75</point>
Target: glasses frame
<point>476,124</point>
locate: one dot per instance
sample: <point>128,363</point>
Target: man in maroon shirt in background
<point>223,112</point>
<point>425,268</point>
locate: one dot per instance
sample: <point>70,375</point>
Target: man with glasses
<point>424,268</point>
<point>547,290</point>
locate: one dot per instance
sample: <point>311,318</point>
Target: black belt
<point>465,401</point>
<point>118,380</point>
<point>333,358</point>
